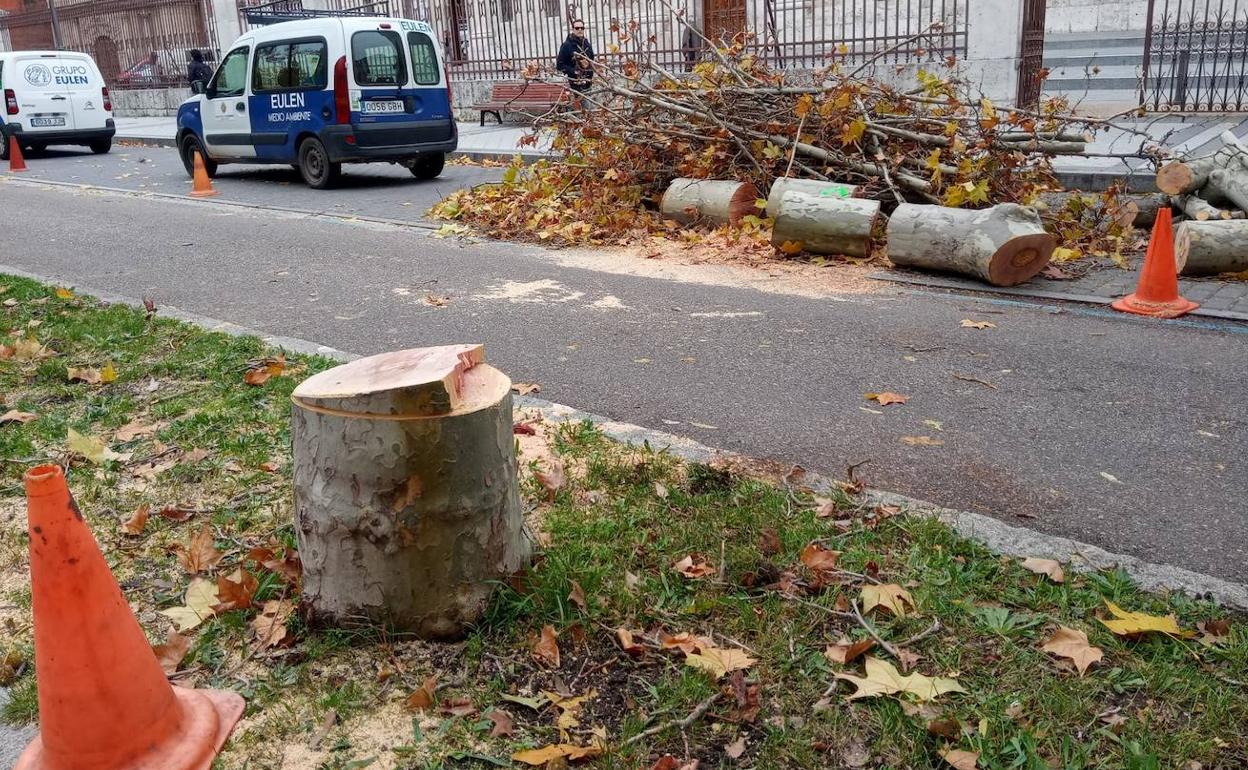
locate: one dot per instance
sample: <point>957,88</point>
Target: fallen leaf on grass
<point>735,749</point>
<point>134,525</point>
<point>546,650</point>
<point>85,374</point>
<point>92,448</point>
<point>1047,567</point>
<point>889,596</point>
<point>150,470</point>
<point>846,651</point>
<point>684,641</point>
<point>1214,632</point>
<point>270,466</point>
<point>967,323</point>
<point>886,398</point>
<point>628,644</point>
<point>257,377</point>
<point>289,566</point>
<point>424,697</point>
<point>458,707</point>
<point>568,707</point>
<point>961,760</point>
<point>200,599</point>
<point>504,727</point>
<point>19,417</point>
<point>525,388</point>
<point>63,293</point>
<point>171,653</point>
<point>819,559</point>
<point>693,570</point>
<point>199,554</point>
<point>269,627</point>
<point>921,441</point>
<point>769,542</point>
<point>178,513</point>
<point>1135,623</point>
<point>717,662</point>
<point>577,596</point>
<point>568,751</point>
<point>1073,643</point>
<point>108,373</point>
<point>882,678</point>
<point>134,429</point>
<point>552,480</point>
<point>28,349</point>
<point>945,728</point>
<point>236,590</point>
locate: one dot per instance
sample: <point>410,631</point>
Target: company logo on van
<point>38,75</point>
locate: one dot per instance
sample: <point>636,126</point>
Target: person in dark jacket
<point>576,60</point>
<point>197,69</point>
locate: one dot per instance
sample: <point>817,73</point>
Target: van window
<point>424,59</point>
<point>377,58</point>
<point>310,61</point>
<point>231,77</point>
<point>287,65</point>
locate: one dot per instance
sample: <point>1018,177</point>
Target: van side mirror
<point>198,87</point>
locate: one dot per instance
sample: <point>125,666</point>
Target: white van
<point>319,92</point>
<point>54,97</point>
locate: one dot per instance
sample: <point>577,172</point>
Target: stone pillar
<point>229,27</point>
<point>994,40</point>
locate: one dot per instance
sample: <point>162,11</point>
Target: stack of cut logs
<point>1213,192</point>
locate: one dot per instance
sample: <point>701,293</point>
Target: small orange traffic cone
<point>203,185</point>
<point>104,702</point>
<point>1157,293</point>
<point>17,161</point>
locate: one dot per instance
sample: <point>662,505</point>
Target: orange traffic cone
<point>17,162</point>
<point>203,185</point>
<point>104,703</point>
<point>1157,293</point>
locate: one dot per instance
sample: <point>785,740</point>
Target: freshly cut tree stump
<point>814,187</point>
<point>1181,177</point>
<point>1210,248</point>
<point>825,225</point>
<point>1004,245</point>
<point>406,500</point>
<point>708,201</point>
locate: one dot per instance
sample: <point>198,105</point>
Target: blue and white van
<point>320,92</point>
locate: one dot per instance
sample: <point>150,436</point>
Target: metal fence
<point>1194,56</point>
<point>136,43</point>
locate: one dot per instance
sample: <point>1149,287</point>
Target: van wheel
<point>315,166</point>
<point>429,165</point>
<point>4,145</point>
<point>191,145</point>
<point>101,147</point>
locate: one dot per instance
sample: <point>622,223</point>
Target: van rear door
<point>84,86</point>
<point>429,88</point>
<point>388,105</point>
<point>43,103</point>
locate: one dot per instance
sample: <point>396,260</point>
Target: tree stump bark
<point>813,187</point>
<point>1004,245</point>
<point>1210,248</point>
<point>1181,177</point>
<point>825,225</point>
<point>406,499</point>
<point>1200,209</point>
<point>708,201</point>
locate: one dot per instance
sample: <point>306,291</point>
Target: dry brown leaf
<point>685,642</point>
<point>886,398</point>
<point>178,513</point>
<point>289,567</point>
<point>961,760</point>
<point>196,455</point>
<point>552,480</point>
<point>137,521</point>
<point>134,429</point>
<point>257,377</point>
<point>889,596</point>
<point>525,388</point>
<point>546,754</point>
<point>150,470</point>
<point>236,590</point>
<point>819,559</point>
<point>628,644</point>
<point>504,727</point>
<point>769,542</point>
<point>921,441</point>
<point>969,324</point>
<point>846,651</point>
<point>1214,632</point>
<point>458,707</point>
<point>945,728</point>
<point>577,596</point>
<point>1073,643</point>
<point>693,570</point>
<point>199,554</point>
<point>884,679</point>
<point>270,466</point>
<point>717,662</point>
<point>424,697</point>
<point>85,374</point>
<point>171,653</point>
<point>15,416</point>
<point>1045,567</point>
<point>269,627</point>
<point>735,749</point>
<point>546,650</point>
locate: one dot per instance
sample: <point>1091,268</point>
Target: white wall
<point>1096,16</point>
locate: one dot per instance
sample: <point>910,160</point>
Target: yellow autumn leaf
<point>1127,623</point>
<point>64,293</point>
<point>201,599</point>
<point>718,662</point>
<point>889,596</point>
<point>92,448</point>
<point>108,373</point>
<point>990,111</point>
<point>852,132</point>
<point>791,247</point>
<point>1065,254</point>
<point>803,106</point>
<point>882,678</point>
<point>771,151</point>
<point>546,754</point>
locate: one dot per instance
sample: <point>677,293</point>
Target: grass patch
<point>336,699</point>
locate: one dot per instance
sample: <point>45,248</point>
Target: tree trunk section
<point>1210,248</point>
<point>825,225</point>
<point>1224,185</point>
<point>406,499</point>
<point>814,187</point>
<point>1181,177</point>
<point>708,201</point>
<point>1200,209</point>
<point>1135,209</point>
<point>1004,245</point>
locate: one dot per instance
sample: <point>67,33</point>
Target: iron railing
<point>255,13</point>
<point>1195,53</point>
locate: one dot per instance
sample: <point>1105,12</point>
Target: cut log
<point>1210,248</point>
<point>407,509</point>
<point>808,186</point>
<point>1180,177</point>
<point>825,225</point>
<point>708,201</point>
<point>1004,245</point>
<point>1135,209</point>
<point>1227,186</point>
<point>1200,209</point>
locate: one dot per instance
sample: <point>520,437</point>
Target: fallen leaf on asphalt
<point>1213,632</point>
<point>552,480</point>
<point>889,596</point>
<point>85,374</point>
<point>577,596</point>
<point>236,590</point>
<point>886,398</point>
<point>882,678</point>
<point>1045,567</point>
<point>437,300</point>
<point>934,424</point>
<point>1135,623</point>
<point>171,653</point>
<point>921,441</point>
<point>717,662</point>
<point>92,448</point>
<point>134,429</point>
<point>961,760</point>
<point>525,388</point>
<point>967,323</point>
<point>546,651</point>
<point>504,727</point>
<point>200,599</point>
<point>735,749</point>
<point>199,554</point>
<point>1110,477</point>
<point>15,416</point>
<point>692,569</point>
<point>546,754</point>
<point>846,651</point>
<point>137,521</point>
<point>269,627</point>
<point>1073,643</point>
<point>424,697</point>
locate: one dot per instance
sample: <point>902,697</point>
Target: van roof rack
<point>277,11</point>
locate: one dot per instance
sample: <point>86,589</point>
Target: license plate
<point>383,107</point>
<point>45,122</point>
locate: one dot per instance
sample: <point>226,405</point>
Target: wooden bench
<point>527,97</point>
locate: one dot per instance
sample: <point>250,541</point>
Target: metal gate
<point>1031,54</point>
<point>1194,56</point>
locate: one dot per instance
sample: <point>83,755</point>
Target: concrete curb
<point>472,153</point>
<point>996,535</point>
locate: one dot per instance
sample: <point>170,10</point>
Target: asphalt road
<point>1125,433</point>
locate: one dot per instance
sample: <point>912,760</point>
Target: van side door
<point>289,96</point>
<point>227,128</point>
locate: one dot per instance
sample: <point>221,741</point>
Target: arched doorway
<point>104,51</point>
